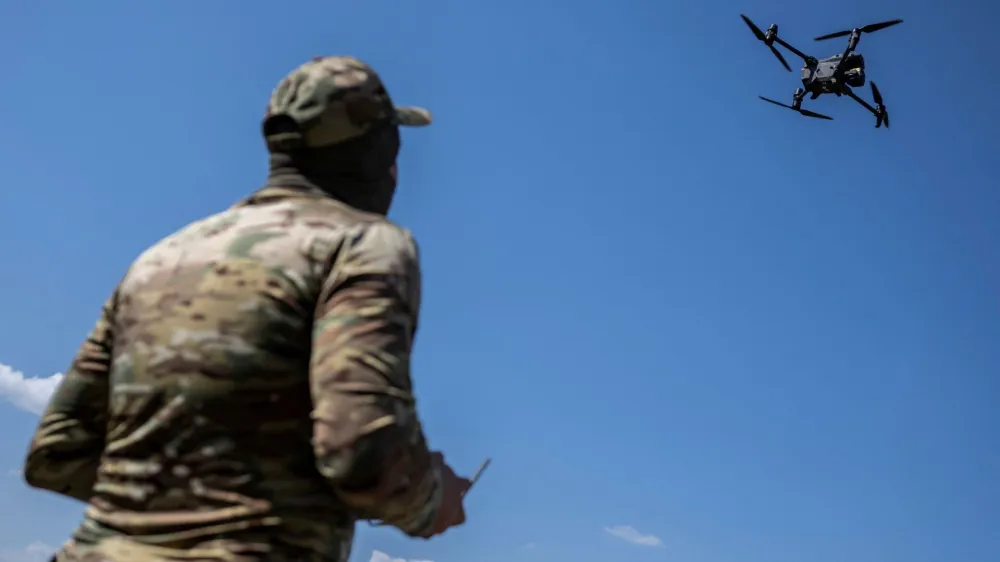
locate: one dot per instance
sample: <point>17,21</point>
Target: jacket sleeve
<point>66,448</point>
<point>367,437</point>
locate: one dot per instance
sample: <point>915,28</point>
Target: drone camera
<point>855,77</point>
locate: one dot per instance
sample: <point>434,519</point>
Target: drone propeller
<point>866,29</point>
<point>781,59</point>
<point>881,114</point>
<point>768,39</point>
<point>805,112</point>
<point>756,30</point>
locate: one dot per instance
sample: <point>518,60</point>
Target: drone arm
<point>851,44</point>
<point>850,93</point>
<point>792,49</point>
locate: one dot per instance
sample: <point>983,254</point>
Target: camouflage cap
<point>329,100</point>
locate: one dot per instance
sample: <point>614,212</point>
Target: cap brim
<point>409,116</point>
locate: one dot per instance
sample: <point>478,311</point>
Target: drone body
<point>822,78</point>
<point>833,75</point>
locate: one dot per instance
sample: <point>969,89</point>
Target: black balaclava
<point>358,172</point>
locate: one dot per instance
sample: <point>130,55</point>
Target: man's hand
<point>452,511</point>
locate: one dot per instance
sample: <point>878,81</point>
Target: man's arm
<point>66,448</point>
<point>367,437</point>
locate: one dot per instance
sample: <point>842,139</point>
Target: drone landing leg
<point>797,98</point>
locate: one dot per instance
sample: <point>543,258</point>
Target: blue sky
<point>659,303</point>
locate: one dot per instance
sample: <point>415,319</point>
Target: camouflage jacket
<point>246,390</point>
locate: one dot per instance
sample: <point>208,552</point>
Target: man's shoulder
<point>383,237</point>
<point>266,238</point>
<point>365,234</point>
<point>288,235</point>
<point>288,220</point>
<point>381,246</point>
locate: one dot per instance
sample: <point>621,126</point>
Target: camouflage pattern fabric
<point>237,378</point>
<point>334,99</point>
<point>118,549</point>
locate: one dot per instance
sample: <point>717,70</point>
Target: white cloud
<point>34,552</point>
<point>379,556</point>
<point>29,394</point>
<point>630,534</point>
<point>529,546</point>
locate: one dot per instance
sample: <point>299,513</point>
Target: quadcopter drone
<point>834,75</point>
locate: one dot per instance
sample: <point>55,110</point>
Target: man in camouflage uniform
<point>246,393</point>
